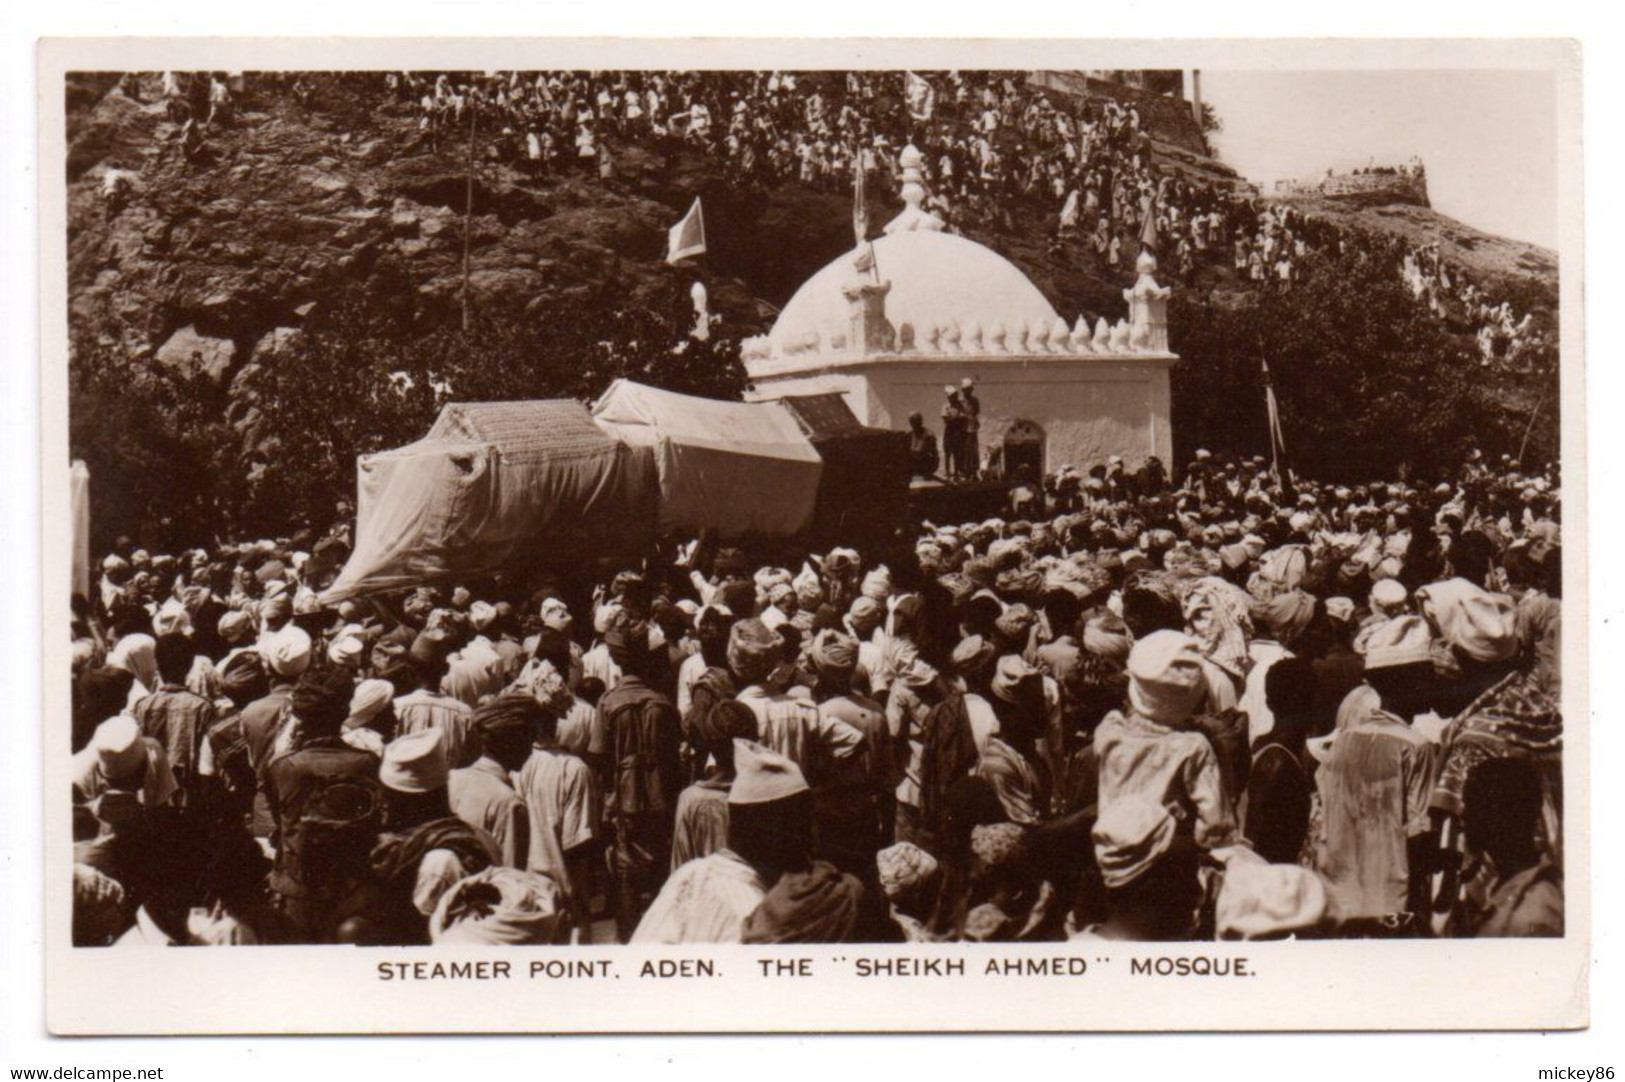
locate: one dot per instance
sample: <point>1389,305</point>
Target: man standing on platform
<point>953,433</point>
<point>971,451</point>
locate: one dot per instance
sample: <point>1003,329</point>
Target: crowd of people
<point>992,143</point>
<point>990,140</point>
<point>1218,705</point>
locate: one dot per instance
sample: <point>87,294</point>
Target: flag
<point>687,237</point>
<point>921,97</point>
<point>860,205</point>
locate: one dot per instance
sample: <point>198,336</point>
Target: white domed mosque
<point>891,326</point>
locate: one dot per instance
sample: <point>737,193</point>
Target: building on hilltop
<point>919,309</point>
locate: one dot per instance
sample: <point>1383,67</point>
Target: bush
<point>167,468</point>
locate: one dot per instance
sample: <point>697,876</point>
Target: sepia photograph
<point>1032,519</point>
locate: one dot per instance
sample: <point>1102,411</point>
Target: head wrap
<point>877,584</point>
<point>368,701</point>
<point>322,696</point>
<point>866,612</point>
<point>501,906</point>
<point>998,845</point>
<point>137,655</point>
<point>972,655</point>
<point>1286,615</point>
<point>1388,596</point>
<point>481,614</point>
<point>287,651</point>
<point>555,614</point>
<point>1011,674</point>
<point>119,747</point>
<point>727,721</point>
<point>904,867</point>
<point>346,651</point>
<point>754,650</point>
<point>816,906</point>
<point>1267,901</point>
<point>1474,622</point>
<point>415,763</point>
<point>809,591</point>
<point>762,775</point>
<point>1165,676</point>
<point>1340,609</point>
<point>1015,622</point>
<point>1106,635</point>
<point>172,619</point>
<point>508,717</point>
<point>833,653</point>
<point>1131,833</point>
<point>234,626</point>
<point>1404,640</point>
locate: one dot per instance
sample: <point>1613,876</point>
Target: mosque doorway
<point>1024,451</point>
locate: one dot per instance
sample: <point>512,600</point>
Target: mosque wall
<point>1087,409</point>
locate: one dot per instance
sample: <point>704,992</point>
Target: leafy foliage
<point>169,466</point>
<point>1369,384</point>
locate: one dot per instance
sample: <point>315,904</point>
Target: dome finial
<point>914,216</point>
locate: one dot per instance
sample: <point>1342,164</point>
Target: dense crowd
<point>990,140</point>
<point>1138,707</point>
<point>991,143</point>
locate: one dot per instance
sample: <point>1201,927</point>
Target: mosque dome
<point>937,280</point>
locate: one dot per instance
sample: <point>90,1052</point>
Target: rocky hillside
<point>329,186</point>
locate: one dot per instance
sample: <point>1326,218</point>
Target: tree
<point>1369,384</point>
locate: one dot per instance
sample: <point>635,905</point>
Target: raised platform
<point>943,502</point>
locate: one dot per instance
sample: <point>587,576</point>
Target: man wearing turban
<point>1151,752</point>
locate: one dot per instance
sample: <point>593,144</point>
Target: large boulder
<point>188,352</point>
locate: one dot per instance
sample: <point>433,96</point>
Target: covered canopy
<point>733,467</point>
<point>493,484</point>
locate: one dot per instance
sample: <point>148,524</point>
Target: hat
<point>967,382</point>
<point>972,654</point>
<point>415,763</point>
<point>287,652</point>
<point>948,388</point>
<point>1267,901</point>
<point>1131,833</point>
<point>866,608</point>
<point>235,625</point>
<point>1476,623</point>
<point>1403,640</point>
<point>368,701</point>
<point>1165,676</point>
<point>119,748</point>
<point>762,775</point>
<point>903,867</point>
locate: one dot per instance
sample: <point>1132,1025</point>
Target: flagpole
<point>468,206</point>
